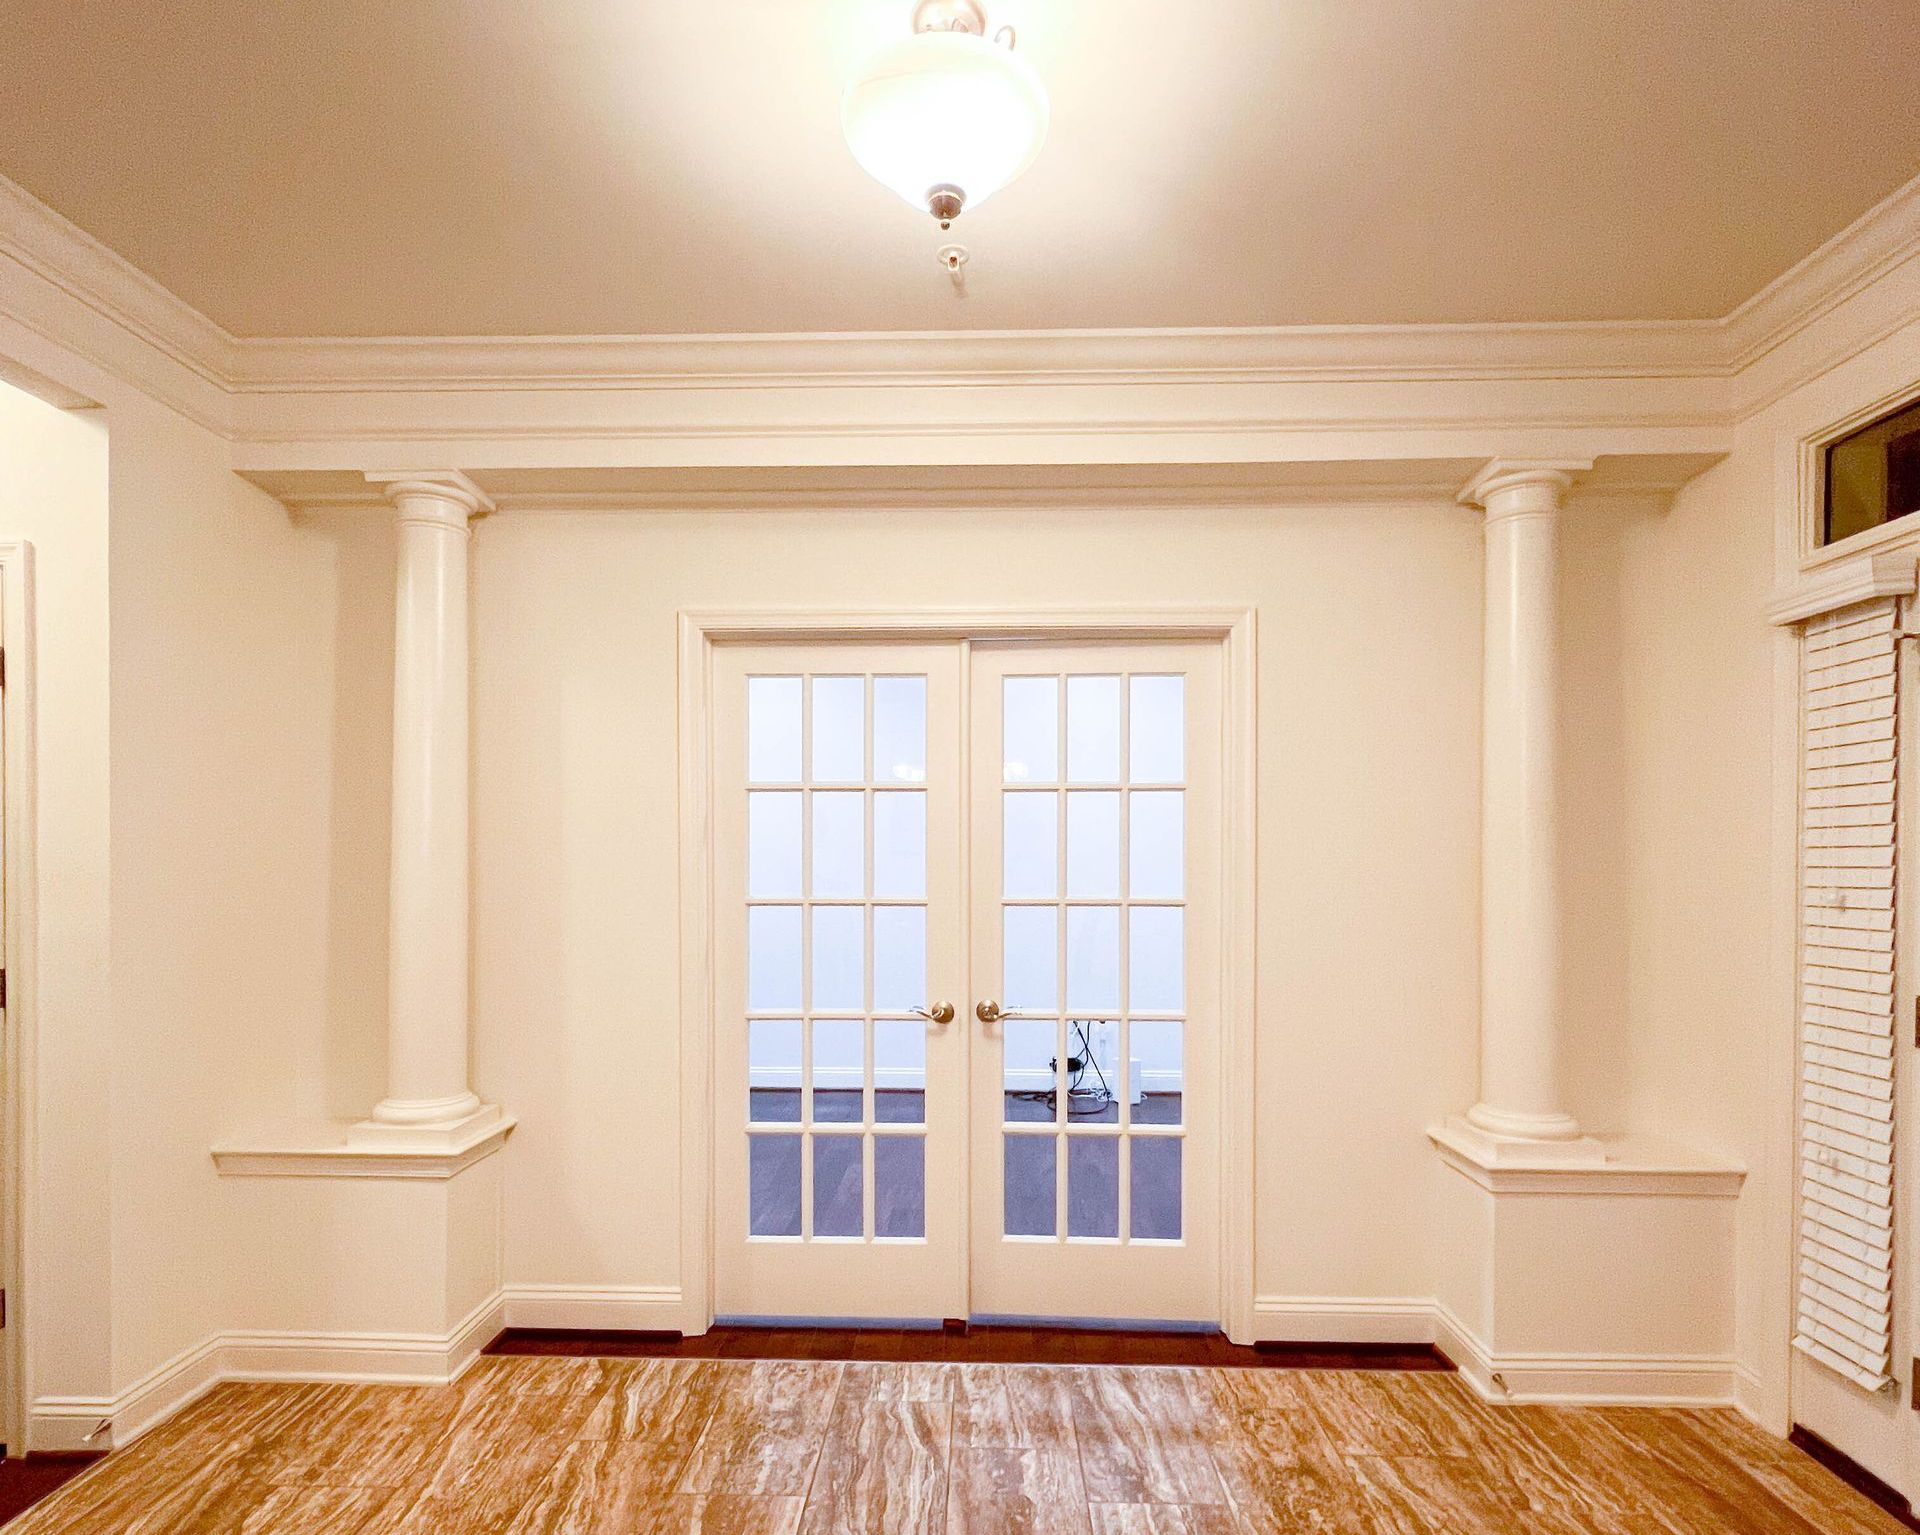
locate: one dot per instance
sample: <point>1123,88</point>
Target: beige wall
<point>1710,688</point>
<point>53,493</point>
<point>225,821</point>
<point>1369,709</point>
<point>183,779</point>
<point>221,686</point>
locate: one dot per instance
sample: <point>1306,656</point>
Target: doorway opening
<point>971,927</point>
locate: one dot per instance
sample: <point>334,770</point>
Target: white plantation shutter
<point>1849,746</point>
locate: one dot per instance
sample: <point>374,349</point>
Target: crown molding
<point>86,297</point>
<point>146,335</point>
<point>1882,238</point>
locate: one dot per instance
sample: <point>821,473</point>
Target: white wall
<point>184,650</point>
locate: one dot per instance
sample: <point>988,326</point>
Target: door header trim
<point>817,625</point>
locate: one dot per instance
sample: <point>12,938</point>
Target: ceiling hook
<point>954,259</point>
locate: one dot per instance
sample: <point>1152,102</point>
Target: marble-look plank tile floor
<point>567,1446</point>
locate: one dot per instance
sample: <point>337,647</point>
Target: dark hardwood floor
<point>973,1344</point>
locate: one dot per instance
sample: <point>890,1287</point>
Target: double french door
<point>967,960</point>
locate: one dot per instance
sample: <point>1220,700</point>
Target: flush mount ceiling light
<point>946,117</point>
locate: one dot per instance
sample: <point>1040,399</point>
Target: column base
<point>1489,1148</point>
<point>466,1128</point>
<point>1514,1124</point>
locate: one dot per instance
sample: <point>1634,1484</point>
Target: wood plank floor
<point>544,1446</point>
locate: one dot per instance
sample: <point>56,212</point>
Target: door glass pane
<point>1093,959</point>
<point>1093,729</point>
<point>899,958</point>
<point>899,1186</point>
<point>1156,845</point>
<point>1093,1185</point>
<point>1095,1078</point>
<point>836,1186</point>
<point>900,729</point>
<point>840,844</point>
<point>839,729</point>
<point>839,959</point>
<point>900,1071</point>
<point>1031,958</point>
<point>773,730</point>
<point>1028,1184</point>
<point>1154,1200</point>
<point>839,1070</point>
<point>773,846</point>
<point>1030,846</point>
<point>1157,729</point>
<point>1158,1085</point>
<point>900,845</point>
<point>773,1071</point>
<point>1030,729</point>
<point>773,1185</point>
<point>1093,844</point>
<point>1028,1078</point>
<point>773,959</point>
<point>1156,959</point>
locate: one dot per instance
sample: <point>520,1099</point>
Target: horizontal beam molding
<point>1308,393</point>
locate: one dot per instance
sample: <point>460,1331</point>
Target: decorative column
<point>429,1104</point>
<point>1520,927</point>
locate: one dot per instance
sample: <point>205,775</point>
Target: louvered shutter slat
<point>1848,848</point>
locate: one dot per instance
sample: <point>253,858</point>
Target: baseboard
<point>1640,1379</point>
<point>1341,1319</point>
<point>1758,1401</point>
<point>1637,1380</point>
<point>68,1424</point>
<point>593,1308</point>
<point>78,1424</point>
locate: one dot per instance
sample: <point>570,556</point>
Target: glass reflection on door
<point>836,931</point>
<point>1093,808</point>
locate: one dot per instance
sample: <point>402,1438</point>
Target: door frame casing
<point>18,1136</point>
<point>701,631</point>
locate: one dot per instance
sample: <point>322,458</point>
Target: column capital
<point>1545,481</point>
<point>457,497</point>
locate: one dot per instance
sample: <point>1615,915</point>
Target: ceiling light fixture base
<point>944,202</point>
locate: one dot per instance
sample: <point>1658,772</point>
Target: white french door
<point>839,1107</point>
<point>966,965</point>
<point>1096,961</point>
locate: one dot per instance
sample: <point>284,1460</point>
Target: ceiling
<point>581,167</point>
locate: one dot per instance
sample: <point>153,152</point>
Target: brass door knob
<point>940,1013</point>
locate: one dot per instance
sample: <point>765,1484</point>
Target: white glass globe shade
<point>945,109</point>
